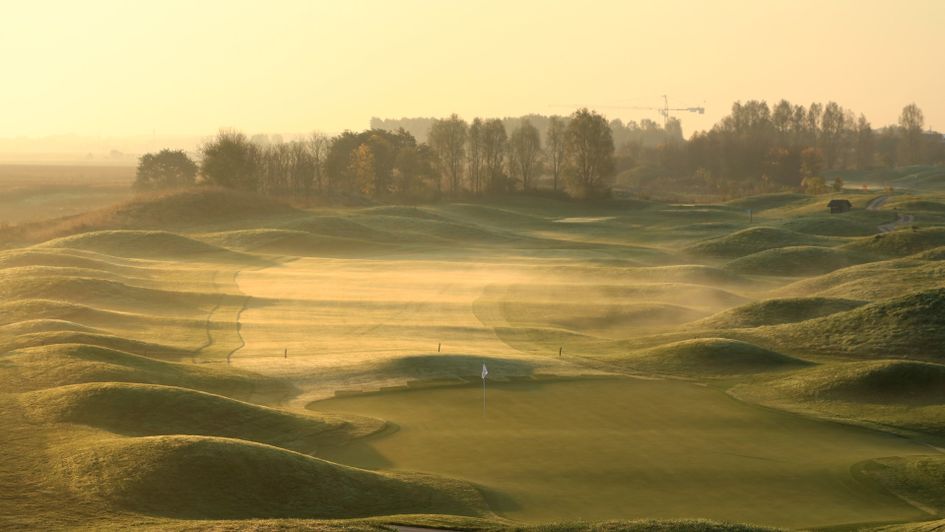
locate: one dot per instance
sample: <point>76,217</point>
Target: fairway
<point>628,448</point>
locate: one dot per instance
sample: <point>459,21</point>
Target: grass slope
<point>777,311</point>
<point>908,326</point>
<point>794,261</point>
<point>191,477</point>
<point>149,410</point>
<point>158,245</point>
<point>711,356</point>
<point>753,240</point>
<point>916,478</point>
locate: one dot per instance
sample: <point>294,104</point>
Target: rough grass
<point>881,381</point>
<point>753,240</point>
<point>795,261</point>
<point>769,201</point>
<point>156,245</point>
<point>48,366</point>
<point>900,243</point>
<point>917,478</point>
<point>777,311</point>
<point>831,225</point>
<point>150,410</point>
<point>292,242</point>
<point>711,357</point>
<point>908,326</point>
<point>191,477</point>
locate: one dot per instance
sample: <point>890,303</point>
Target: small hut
<point>838,206</point>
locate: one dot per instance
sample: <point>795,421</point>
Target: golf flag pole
<point>485,373</point>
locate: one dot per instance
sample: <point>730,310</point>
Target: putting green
<point>629,448</point>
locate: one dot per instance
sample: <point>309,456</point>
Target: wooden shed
<point>837,206</point>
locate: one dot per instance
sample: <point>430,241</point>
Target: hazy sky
<point>191,67</point>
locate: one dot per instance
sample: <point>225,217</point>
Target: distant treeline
<point>753,149</point>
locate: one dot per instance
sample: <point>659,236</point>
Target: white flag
<point>485,372</point>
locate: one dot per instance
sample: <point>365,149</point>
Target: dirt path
<point>901,219</point>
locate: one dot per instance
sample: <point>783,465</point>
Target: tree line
<point>458,158</point>
<point>754,148</point>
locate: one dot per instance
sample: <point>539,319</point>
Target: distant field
<point>35,192</point>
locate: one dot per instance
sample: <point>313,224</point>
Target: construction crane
<point>663,111</point>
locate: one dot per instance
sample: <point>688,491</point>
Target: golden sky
<point>191,67</point>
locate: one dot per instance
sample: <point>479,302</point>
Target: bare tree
<point>591,152</point>
<point>911,122</point>
<point>494,147</point>
<point>525,153</point>
<point>448,140</point>
<point>318,145</point>
<point>474,156</point>
<point>557,146</point>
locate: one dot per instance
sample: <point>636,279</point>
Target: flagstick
<point>483,397</point>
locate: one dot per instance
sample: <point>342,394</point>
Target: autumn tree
<point>591,152</point>
<point>165,169</point>
<point>525,153</point>
<point>362,169</point>
<point>447,138</point>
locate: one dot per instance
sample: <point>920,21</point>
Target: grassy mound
<point>48,366</point>
<point>763,202</point>
<point>104,293</point>
<point>778,311</point>
<point>193,477</point>
<point>921,206</point>
<point>908,326</point>
<point>598,318</point>
<point>917,478</point>
<point>900,243</point>
<point>341,227</point>
<point>158,245</point>
<point>150,410</point>
<point>108,341</point>
<point>286,242</point>
<point>187,208</point>
<point>794,261</point>
<point>44,325</point>
<point>753,240</point>
<point>642,525</point>
<point>711,356</point>
<point>880,381</point>
<point>873,281</point>
<point>63,258</point>
<point>830,226</point>
<point>932,254</point>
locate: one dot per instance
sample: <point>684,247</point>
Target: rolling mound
<point>753,240</point>
<point>916,478</point>
<point>150,410</point>
<point>600,318</point>
<point>711,356</point>
<point>763,202</point>
<point>872,281</point>
<point>108,341</point>
<point>341,227</point>
<point>830,226</point>
<point>900,243</point>
<point>881,381</point>
<point>932,254</point>
<point>45,325</point>
<point>794,261</point>
<point>49,366</point>
<point>156,245</point>
<point>105,293</point>
<point>174,478</point>
<point>921,205</point>
<point>908,326</point>
<point>777,311</point>
<point>286,242</point>
<point>63,258</point>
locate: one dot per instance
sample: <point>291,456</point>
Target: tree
<point>474,155</point>
<point>230,160</point>
<point>837,184</point>
<point>165,169</point>
<point>524,153</point>
<point>812,162</point>
<point>494,147</point>
<point>448,140</point>
<point>362,168</point>
<point>557,145</point>
<point>814,185</point>
<point>865,146</point>
<point>591,152</point>
<point>318,145</point>
<point>911,122</point>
